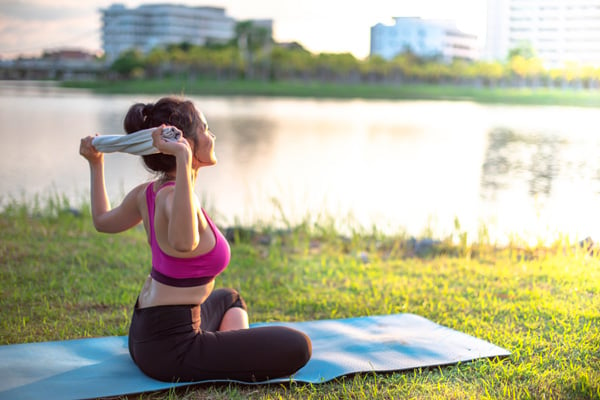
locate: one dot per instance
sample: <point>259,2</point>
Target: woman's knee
<point>230,297</point>
<point>235,318</point>
<point>304,348</point>
<point>299,347</point>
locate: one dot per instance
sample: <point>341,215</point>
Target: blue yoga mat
<point>101,367</point>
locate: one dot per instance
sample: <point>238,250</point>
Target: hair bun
<point>135,118</point>
<point>147,110</point>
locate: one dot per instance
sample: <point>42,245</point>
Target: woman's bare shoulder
<point>137,195</point>
<point>139,190</point>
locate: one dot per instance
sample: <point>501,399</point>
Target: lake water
<point>403,166</point>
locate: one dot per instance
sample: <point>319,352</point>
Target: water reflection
<point>401,166</point>
<point>511,157</point>
<point>248,136</point>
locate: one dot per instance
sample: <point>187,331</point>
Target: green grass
<point>62,280</point>
<point>538,96</point>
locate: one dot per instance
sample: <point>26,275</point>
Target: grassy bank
<point>539,96</point>
<point>62,280</point>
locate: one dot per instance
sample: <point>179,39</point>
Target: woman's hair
<point>169,111</point>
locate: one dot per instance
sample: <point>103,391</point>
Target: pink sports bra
<point>185,272</point>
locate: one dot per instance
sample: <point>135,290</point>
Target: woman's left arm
<point>122,217</point>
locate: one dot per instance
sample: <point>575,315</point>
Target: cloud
<point>31,37</point>
<point>28,11</point>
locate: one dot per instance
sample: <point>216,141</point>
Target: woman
<point>182,329</point>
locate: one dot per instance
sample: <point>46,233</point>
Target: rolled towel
<point>138,143</point>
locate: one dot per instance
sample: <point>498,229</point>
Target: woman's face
<point>205,148</point>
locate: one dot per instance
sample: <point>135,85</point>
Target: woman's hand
<point>89,152</point>
<point>172,147</point>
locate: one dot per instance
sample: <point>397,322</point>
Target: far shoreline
<point>542,96</point>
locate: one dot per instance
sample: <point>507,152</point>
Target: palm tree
<point>253,41</point>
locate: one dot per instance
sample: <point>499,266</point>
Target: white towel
<point>138,143</point>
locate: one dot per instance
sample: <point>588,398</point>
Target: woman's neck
<point>171,177</point>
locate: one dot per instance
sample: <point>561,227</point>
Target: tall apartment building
<point>559,31</point>
<point>425,38</point>
<point>152,25</point>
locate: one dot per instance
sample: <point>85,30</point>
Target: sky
<point>27,27</point>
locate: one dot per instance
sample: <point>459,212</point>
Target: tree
<point>225,61</point>
<point>157,62</point>
<point>291,62</point>
<point>375,68</point>
<point>253,41</point>
<point>129,64</point>
<point>489,72</point>
<point>523,49</point>
<point>344,65</point>
<point>524,63</point>
<point>572,73</point>
<point>403,66</point>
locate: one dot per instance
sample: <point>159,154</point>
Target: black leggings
<point>181,343</point>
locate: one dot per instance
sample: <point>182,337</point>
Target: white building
<point>560,31</point>
<point>152,25</point>
<point>425,38</point>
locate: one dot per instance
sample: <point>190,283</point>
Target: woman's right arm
<point>179,206</point>
<point>108,220</point>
